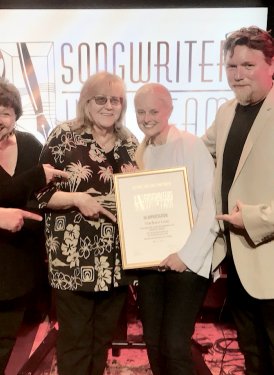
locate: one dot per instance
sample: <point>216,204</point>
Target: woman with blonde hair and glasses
<point>81,232</point>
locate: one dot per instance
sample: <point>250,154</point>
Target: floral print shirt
<point>84,253</point>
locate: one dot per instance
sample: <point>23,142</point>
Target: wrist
<point>76,198</point>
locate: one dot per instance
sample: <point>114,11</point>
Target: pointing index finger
<point>31,215</point>
<point>108,214</point>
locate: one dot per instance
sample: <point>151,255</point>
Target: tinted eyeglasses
<point>102,100</point>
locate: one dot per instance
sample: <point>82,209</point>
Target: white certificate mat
<point>154,215</point>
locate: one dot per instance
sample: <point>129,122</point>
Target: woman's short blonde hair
<point>158,90</point>
<point>162,93</point>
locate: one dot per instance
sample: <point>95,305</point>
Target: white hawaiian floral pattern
<point>84,254</point>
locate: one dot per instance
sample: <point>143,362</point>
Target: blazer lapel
<point>225,122</point>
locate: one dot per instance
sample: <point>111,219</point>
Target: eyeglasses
<point>102,100</point>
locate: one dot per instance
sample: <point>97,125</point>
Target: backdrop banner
<point>48,54</point>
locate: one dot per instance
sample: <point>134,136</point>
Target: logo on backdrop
<point>49,76</point>
<point>30,66</point>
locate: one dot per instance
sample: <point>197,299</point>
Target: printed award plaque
<point>154,215</point>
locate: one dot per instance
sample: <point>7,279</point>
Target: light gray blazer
<point>253,248</point>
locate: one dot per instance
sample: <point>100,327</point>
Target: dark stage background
<point>112,4</point>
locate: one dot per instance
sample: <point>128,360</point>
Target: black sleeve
<point>17,190</point>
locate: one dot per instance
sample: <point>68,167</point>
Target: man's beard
<point>244,96</point>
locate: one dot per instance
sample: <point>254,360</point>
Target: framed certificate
<point>154,215</point>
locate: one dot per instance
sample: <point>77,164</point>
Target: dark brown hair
<point>10,97</point>
<point>252,37</point>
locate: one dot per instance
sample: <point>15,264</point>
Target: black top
<point>20,256</point>
<point>15,191</point>
<point>241,125</point>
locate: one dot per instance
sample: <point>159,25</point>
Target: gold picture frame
<point>154,215</point>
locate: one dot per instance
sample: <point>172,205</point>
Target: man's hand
<point>12,219</point>
<point>235,218</point>
<point>174,263</point>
